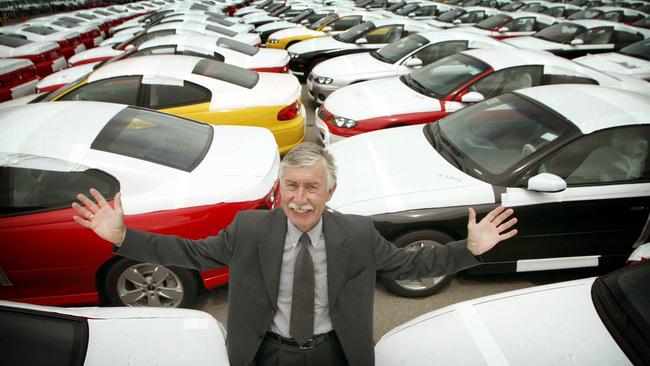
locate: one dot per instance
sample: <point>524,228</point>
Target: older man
<point>302,278</point>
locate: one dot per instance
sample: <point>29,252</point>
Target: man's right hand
<point>106,222</point>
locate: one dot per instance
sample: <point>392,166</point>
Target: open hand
<point>106,222</point>
<point>485,234</point>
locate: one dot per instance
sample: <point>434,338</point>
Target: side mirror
<point>503,30</point>
<point>576,42</point>
<point>304,21</point>
<point>456,21</point>
<point>129,47</point>
<point>546,182</point>
<point>361,41</point>
<point>411,15</point>
<point>327,29</point>
<point>472,97</point>
<point>413,62</point>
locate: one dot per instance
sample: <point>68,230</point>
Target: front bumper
<point>318,92</point>
<point>324,133</point>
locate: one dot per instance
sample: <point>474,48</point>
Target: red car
<point>17,78</point>
<point>45,56</point>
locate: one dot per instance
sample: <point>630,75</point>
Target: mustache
<point>301,208</point>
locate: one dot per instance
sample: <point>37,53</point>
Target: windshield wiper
<point>417,86</point>
<point>379,57</point>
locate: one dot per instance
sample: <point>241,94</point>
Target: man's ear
<point>330,193</point>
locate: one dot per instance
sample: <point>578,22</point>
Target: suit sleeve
<point>170,250</point>
<point>399,263</point>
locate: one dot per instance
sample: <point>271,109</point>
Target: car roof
<point>615,107</point>
<point>179,66</point>
<point>503,58</point>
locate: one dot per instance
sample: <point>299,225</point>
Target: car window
<point>147,36</point>
<point>13,42</point>
<point>156,137</point>
<point>493,22</point>
<point>228,73</point>
<point>614,16</point>
<point>221,30</point>
<point>345,23</point>
<point>614,155</point>
<point>472,17</point>
<point>167,96</point>
<point>522,25</point>
<point>440,50</point>
<point>561,32</point>
<point>508,80</point>
<point>394,51</point>
<point>40,30</point>
<point>385,34</point>
<point>639,49</point>
<point>37,338</point>
<point>123,90</point>
<point>446,75</point>
<point>567,79</point>
<point>625,38</point>
<point>598,35</point>
<point>321,22</point>
<point>237,46</point>
<point>172,50</point>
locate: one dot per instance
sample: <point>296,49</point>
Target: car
<point>448,85</point>
<point>365,37</point>
<point>592,321</point>
<point>633,60</point>
<point>581,37</point>
<point>176,176</point>
<point>17,78</point>
<point>197,88</point>
<point>462,16</point>
<point>516,24</point>
<point>556,10</point>
<point>332,24</point>
<point>91,35</point>
<point>252,39</point>
<point>395,59</point>
<point>643,23</point>
<point>611,13</point>
<point>423,9</point>
<point>305,18</point>
<point>208,19</point>
<point>36,335</point>
<point>69,42</point>
<point>44,55</point>
<point>575,175</point>
<point>221,49</point>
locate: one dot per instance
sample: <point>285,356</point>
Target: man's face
<point>304,194</point>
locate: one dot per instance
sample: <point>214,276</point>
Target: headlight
<point>293,55</point>
<point>322,80</point>
<point>273,41</point>
<point>345,122</point>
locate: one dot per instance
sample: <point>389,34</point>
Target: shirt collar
<point>293,233</point>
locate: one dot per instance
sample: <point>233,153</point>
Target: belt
<point>311,342</point>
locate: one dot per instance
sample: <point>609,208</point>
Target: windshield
<point>490,138</point>
<point>622,301</point>
<point>237,46</point>
<point>560,33</point>
<point>43,31</point>
<point>585,14</point>
<point>493,22</point>
<point>323,21</point>
<point>444,76</point>
<point>639,49</point>
<point>355,32</point>
<point>393,52</point>
<point>407,9</point>
<point>450,15</point>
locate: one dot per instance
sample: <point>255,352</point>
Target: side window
<point>567,79</point>
<point>24,190</point>
<point>386,34</point>
<point>539,26</point>
<point>504,81</point>
<point>122,90</point>
<point>426,11</point>
<point>625,38</point>
<point>167,96</point>
<point>472,17</point>
<point>615,155</point>
<point>345,23</point>
<point>437,51</point>
<point>522,25</point>
<point>554,12</point>
<point>599,35</point>
<point>614,16</point>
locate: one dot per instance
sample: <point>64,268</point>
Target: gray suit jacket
<point>253,246</point>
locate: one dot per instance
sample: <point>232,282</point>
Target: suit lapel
<point>270,251</point>
<point>337,256</point>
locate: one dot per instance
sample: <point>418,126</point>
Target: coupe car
<point>69,42</point>
<point>448,85</point>
<point>45,56</point>
<point>581,37</point>
<point>211,29</point>
<point>395,59</point>
<point>45,335</point>
<point>176,177</point>
<point>517,24</point>
<point>462,16</point>
<point>633,60</point>
<point>571,160</point>
<point>305,18</point>
<point>593,321</point>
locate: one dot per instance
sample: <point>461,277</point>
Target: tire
<point>424,286</point>
<point>131,283</point>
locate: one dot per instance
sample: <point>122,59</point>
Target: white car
<point>395,59</point>
<point>45,56</point>
<point>515,24</point>
<point>633,60</point>
<point>571,160</point>
<point>17,78</point>
<point>305,18</point>
<point>449,85</point>
<point>462,16</point>
<point>557,10</point>
<point>252,39</point>
<point>209,19</point>
<point>592,321</point>
<point>581,37</point>
<point>611,13</point>
<point>69,42</point>
<point>110,336</point>
<point>423,9</point>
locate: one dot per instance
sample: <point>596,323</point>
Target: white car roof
<point>500,59</point>
<point>615,107</point>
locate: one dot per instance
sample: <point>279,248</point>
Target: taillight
<point>280,69</point>
<point>289,112</point>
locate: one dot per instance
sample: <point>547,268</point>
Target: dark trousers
<point>274,352</point>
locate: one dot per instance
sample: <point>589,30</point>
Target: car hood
<point>357,64</point>
<point>67,75</point>
<point>533,43</point>
<point>295,32</point>
<point>544,325</point>
<point>397,169</point>
<point>617,63</point>
<point>103,52</point>
<point>384,97</point>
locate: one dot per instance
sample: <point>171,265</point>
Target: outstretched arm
<point>485,234</point>
<point>107,222</point>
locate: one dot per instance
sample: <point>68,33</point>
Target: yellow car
<point>332,24</point>
<point>200,89</point>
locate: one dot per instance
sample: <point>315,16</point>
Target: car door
<point>598,217</point>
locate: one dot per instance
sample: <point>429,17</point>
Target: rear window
<point>221,30</point>
<point>228,73</point>
<point>159,138</point>
<point>227,23</point>
<point>13,42</point>
<point>43,31</point>
<point>237,46</point>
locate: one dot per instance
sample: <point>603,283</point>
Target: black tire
<point>131,283</point>
<point>419,287</point>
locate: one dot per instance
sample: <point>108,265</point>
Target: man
<point>334,257</point>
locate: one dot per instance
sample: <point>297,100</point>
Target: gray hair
<point>307,154</point>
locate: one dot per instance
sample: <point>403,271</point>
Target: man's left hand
<point>485,234</point>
